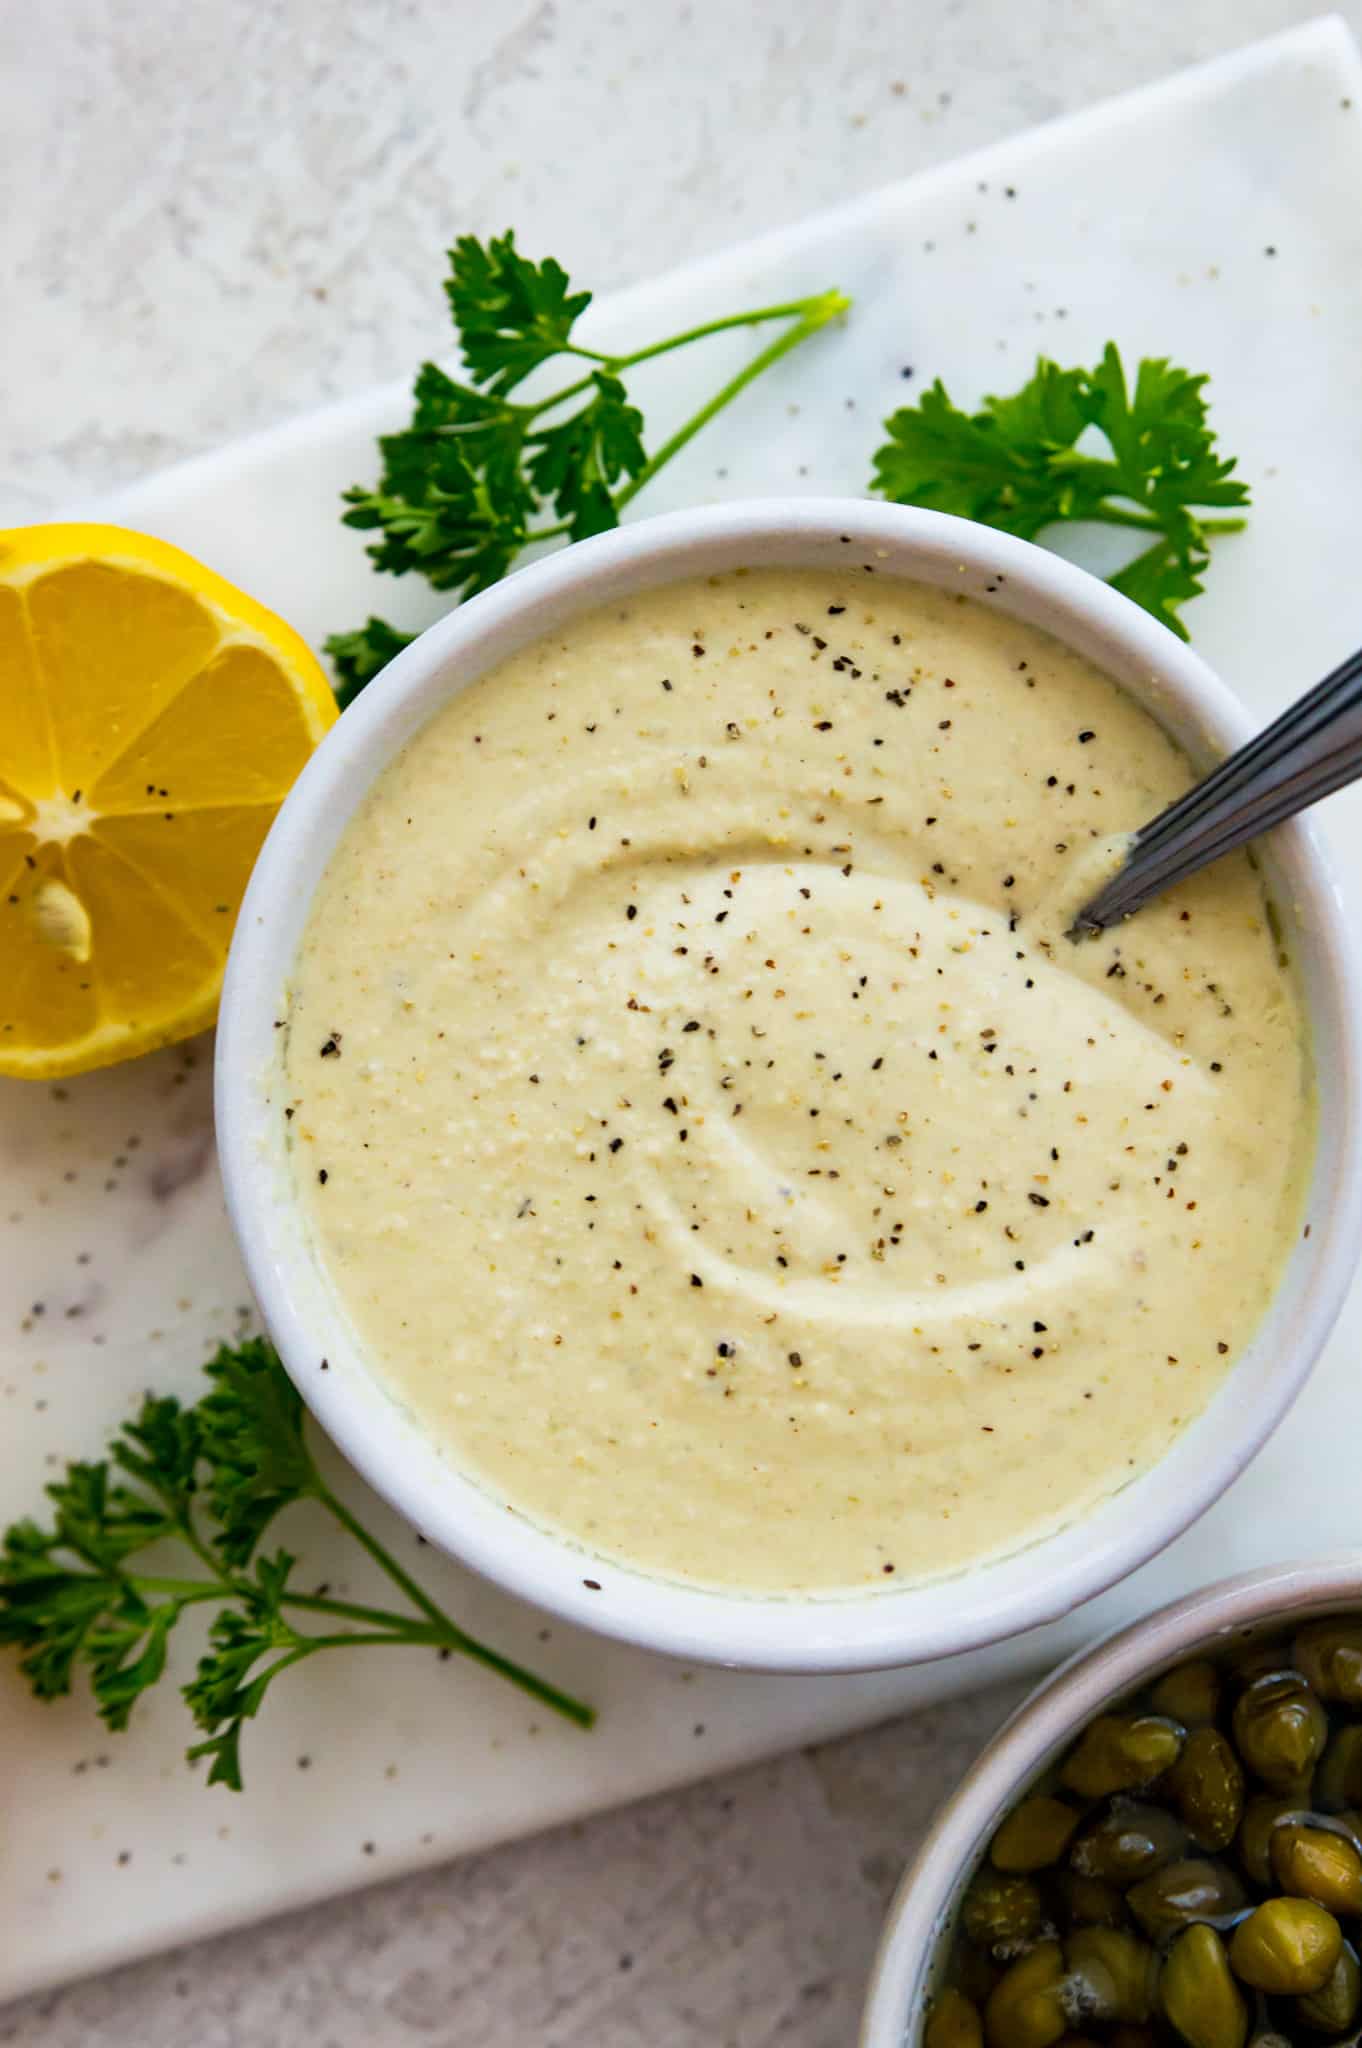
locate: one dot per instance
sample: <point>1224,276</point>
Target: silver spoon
<point>1313,749</point>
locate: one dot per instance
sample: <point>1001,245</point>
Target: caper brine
<point>1188,1874</point>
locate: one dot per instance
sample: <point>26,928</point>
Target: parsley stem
<point>563,1703</point>
<point>343,1639</point>
<point>380,1555</point>
<point>189,1592</point>
<point>1107,514</point>
<point>349,1610</point>
<point>759,364</point>
<point>186,1591</point>
<point>202,1551</point>
<point>447,1637</point>
<point>443,1633</point>
<point>811,313</point>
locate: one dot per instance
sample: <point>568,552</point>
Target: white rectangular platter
<point>1214,219</point>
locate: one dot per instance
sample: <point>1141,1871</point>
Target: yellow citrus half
<point>152,718</point>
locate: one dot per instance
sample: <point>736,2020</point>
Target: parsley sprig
<point>1015,464</point>
<point>210,1479</point>
<point>479,474</point>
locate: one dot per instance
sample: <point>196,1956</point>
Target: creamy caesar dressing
<point>711,1134</point>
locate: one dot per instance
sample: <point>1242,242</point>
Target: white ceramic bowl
<point>834,1633</point>
<point>1044,1725</point>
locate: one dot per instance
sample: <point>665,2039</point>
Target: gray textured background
<point>218,214</point>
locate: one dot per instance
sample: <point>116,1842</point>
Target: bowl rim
<point>849,1631</point>
<point>1087,1682</point>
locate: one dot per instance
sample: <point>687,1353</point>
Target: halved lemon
<point>152,718</point>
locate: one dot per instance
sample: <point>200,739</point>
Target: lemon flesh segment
<point>152,719</point>
<point>25,739</point>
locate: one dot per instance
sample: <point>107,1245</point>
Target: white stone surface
<point>219,214</point>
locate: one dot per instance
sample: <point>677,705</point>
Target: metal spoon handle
<point>1314,748</point>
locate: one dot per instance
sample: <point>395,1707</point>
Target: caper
<point>1280,1728</point>
<point>1187,1871</point>
<point>1000,1911</point>
<point>1207,1786</point>
<point>1112,1974</point>
<point>1118,1752</point>
<point>1329,1654</point>
<point>1025,2009</point>
<point>1190,1693</point>
<point>1035,1834</point>
<point>1338,1782</point>
<point>1182,1893</point>
<point>1200,1996</point>
<point>1333,2009</point>
<point>1127,1843</point>
<point>1286,1947</point>
<point>1315,1863</point>
<point>1087,1901</point>
<point>1262,1816</point>
<point>954,2022</point>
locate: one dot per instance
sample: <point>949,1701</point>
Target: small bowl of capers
<point>1161,1849</point>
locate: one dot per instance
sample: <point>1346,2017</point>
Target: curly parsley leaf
<point>195,1490</point>
<point>451,502</point>
<point>222,1752</point>
<point>48,1611</point>
<point>251,1427</point>
<point>65,1592</point>
<point>575,463</point>
<point>1015,464</point>
<point>232,1678</point>
<point>995,465</point>
<point>101,1521</point>
<point>127,1649</point>
<point>477,475</point>
<point>357,657</point>
<point>161,1448</point>
<point>512,314</point>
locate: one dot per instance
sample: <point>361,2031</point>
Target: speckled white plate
<point>1214,218</point>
